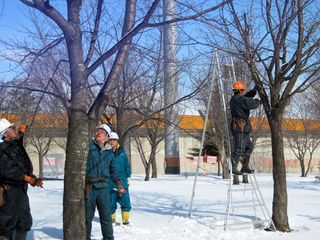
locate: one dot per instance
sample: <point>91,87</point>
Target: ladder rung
<point>241,189</point>
<point>247,205</point>
<point>251,222</point>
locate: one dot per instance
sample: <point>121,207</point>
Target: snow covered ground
<point>161,207</point>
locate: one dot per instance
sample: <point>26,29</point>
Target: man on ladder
<point>240,105</point>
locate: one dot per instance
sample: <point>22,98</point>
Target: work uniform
<point>240,126</point>
<point>15,212</point>
<point>123,166</point>
<point>101,171</point>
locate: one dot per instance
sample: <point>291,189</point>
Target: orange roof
<point>196,123</point>
<point>191,122</point>
<point>287,124</point>
<point>39,120</point>
<point>187,122</point>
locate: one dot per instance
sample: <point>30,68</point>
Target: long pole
<point>226,125</point>
<point>212,75</point>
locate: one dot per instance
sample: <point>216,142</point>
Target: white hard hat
<point>4,124</point>
<point>106,128</point>
<point>114,135</point>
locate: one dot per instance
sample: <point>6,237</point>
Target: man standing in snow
<point>123,166</point>
<point>101,171</point>
<point>15,174</point>
<point>240,105</point>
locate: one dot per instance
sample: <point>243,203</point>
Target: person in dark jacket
<point>15,174</point>
<point>101,170</point>
<point>123,165</point>
<point>240,105</point>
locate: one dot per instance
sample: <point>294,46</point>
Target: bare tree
<point>302,134</point>
<point>83,62</point>
<point>279,41</point>
<point>153,132</point>
<point>42,145</point>
<point>313,99</point>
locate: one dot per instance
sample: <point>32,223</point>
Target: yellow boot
<point>113,218</point>
<point>125,217</point>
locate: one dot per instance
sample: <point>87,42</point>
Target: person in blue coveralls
<point>101,173</point>
<point>123,166</point>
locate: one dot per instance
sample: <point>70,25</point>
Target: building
<point>46,140</point>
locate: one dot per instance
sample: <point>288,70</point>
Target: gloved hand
<point>39,182</point>
<point>257,87</point>
<point>120,188</point>
<point>22,128</point>
<point>30,179</point>
<point>33,181</point>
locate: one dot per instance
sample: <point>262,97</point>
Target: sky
<point>11,19</point>
<point>160,210</point>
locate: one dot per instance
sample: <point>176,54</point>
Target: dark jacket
<point>240,107</point>
<point>123,166</point>
<point>100,163</point>
<point>14,162</point>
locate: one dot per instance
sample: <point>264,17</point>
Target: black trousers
<point>242,148</point>
<point>15,213</point>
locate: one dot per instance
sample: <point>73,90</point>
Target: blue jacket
<point>122,164</point>
<point>100,163</point>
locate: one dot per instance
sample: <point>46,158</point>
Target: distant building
<point>55,128</point>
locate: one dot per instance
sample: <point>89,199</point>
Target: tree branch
<point>94,33</point>
<point>51,12</point>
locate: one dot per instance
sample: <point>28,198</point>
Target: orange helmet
<point>238,85</point>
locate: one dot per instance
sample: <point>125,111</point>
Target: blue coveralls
<point>123,167</point>
<point>100,165</point>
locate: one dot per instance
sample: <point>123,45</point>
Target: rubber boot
<point>236,179</point>
<point>113,218</point>
<point>245,178</point>
<point>125,217</point>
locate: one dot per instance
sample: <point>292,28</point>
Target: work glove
<point>120,188</point>
<point>257,87</point>
<point>30,180</point>
<point>22,128</point>
<point>39,182</point>
<point>33,181</point>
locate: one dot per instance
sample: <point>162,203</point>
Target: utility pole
<point>171,115</point>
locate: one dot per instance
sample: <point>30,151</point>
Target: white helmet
<point>114,135</point>
<point>106,128</point>
<point>4,124</point>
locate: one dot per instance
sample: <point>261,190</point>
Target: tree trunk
<point>77,143</point>
<point>75,168</point>
<point>303,169</point>
<point>40,165</point>
<point>153,162</point>
<point>147,169</point>
<point>219,166</point>
<point>224,163</point>
<point>280,197</point>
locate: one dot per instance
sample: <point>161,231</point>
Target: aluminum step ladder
<point>248,198</point>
